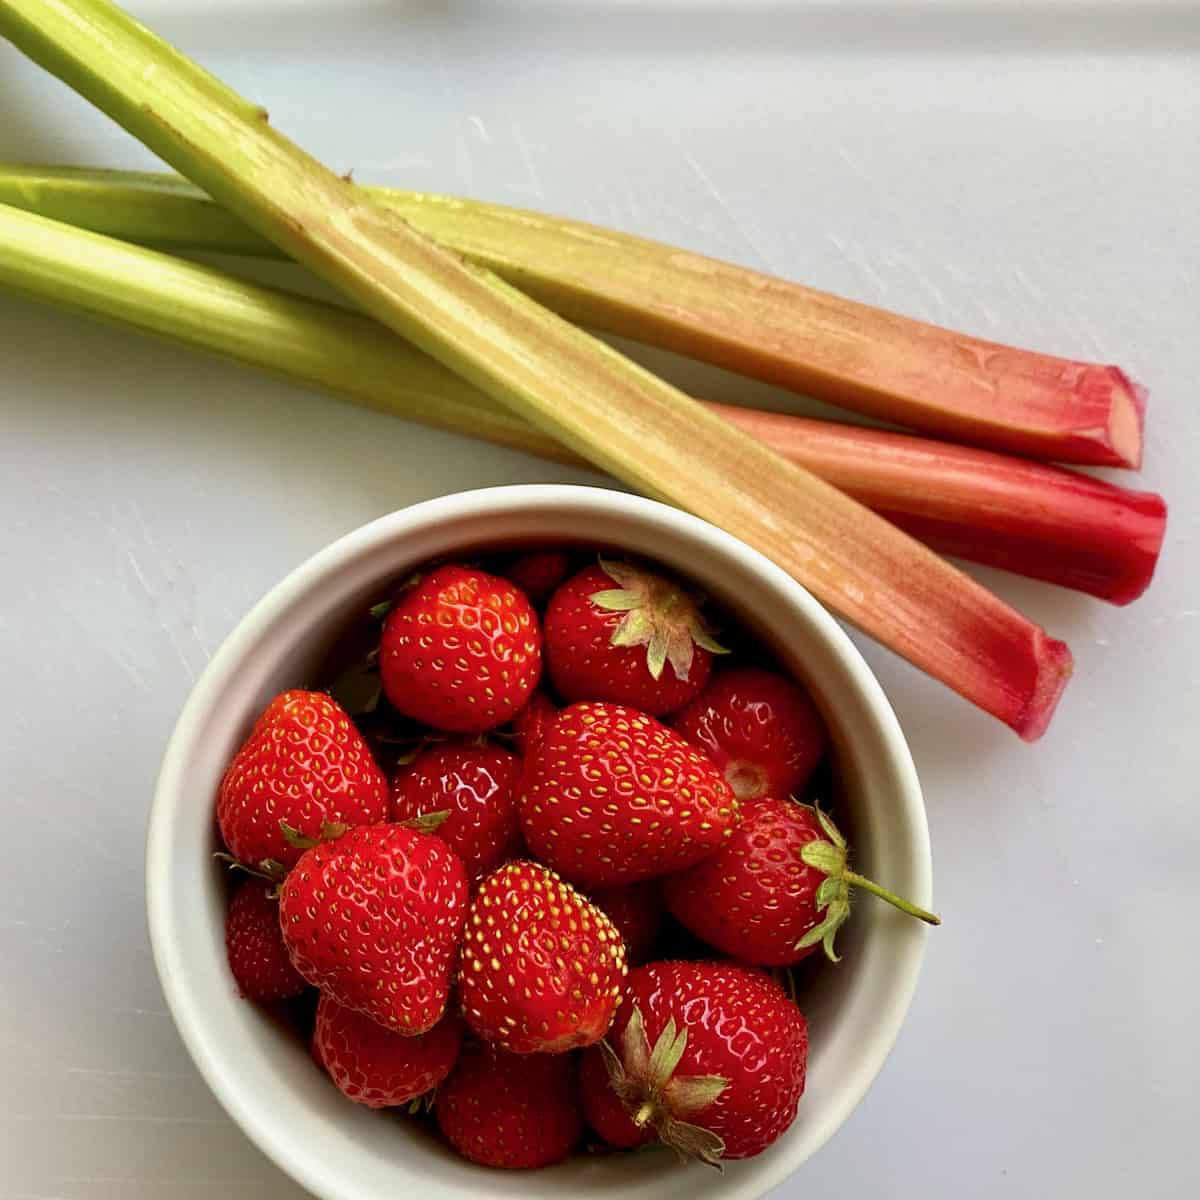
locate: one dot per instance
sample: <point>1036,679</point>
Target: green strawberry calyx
<point>833,896</point>
<point>659,615</point>
<point>428,822</point>
<point>654,1096</point>
<point>269,869</point>
<point>332,830</point>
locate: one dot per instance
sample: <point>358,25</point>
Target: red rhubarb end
<point>1054,668</point>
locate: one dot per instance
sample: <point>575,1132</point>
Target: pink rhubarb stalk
<point>888,366</point>
<point>1033,519</point>
<point>618,415</point>
<point>1030,518</point>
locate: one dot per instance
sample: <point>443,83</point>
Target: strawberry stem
<point>905,906</point>
<point>641,1118</point>
<point>833,896</point>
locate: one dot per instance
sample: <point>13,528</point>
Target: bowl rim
<point>253,1118</point>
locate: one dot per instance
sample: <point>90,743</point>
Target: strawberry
<point>477,786</point>
<point>636,910</point>
<point>373,918</point>
<point>314,1048</point>
<point>776,889</point>
<point>461,650</point>
<point>760,728</point>
<point>614,796</point>
<point>617,632</point>
<point>531,723</point>
<point>538,573</point>
<point>376,1067</point>
<point>709,1056</point>
<point>253,944</point>
<point>542,968</point>
<point>304,765</point>
<point>509,1110</point>
<point>603,1109</point>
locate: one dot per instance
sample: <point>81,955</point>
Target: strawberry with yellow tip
<point>542,968</point>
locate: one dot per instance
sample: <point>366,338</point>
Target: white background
<point>1029,173</point>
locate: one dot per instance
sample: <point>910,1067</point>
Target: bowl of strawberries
<point>507,847</point>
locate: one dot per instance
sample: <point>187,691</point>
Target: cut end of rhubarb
<point>1055,665</point>
<point>1127,402</point>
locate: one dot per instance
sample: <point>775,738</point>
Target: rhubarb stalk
<point>1030,518</point>
<point>849,354</point>
<point>580,391</point>
<point>1027,517</point>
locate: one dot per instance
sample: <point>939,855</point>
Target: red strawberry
<point>710,1056</point>
<point>461,650</point>
<point>636,910</point>
<point>776,890</point>
<point>257,956</point>
<point>603,1109</point>
<point>305,765</point>
<point>376,1067</point>
<point>531,723</point>
<point>314,1048</point>
<point>374,919</point>
<point>538,573</point>
<point>477,786</point>
<point>760,728</point>
<point>510,1110</point>
<point>619,633</point>
<point>614,796</point>
<point>542,968</point>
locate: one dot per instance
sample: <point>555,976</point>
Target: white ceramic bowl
<point>264,1077</point>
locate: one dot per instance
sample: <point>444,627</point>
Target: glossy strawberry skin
<point>304,763</point>
<point>538,573</point>
<point>615,796</point>
<point>375,1067</point>
<point>477,785</point>
<point>584,665</point>
<point>636,910</point>
<point>531,723</point>
<point>374,920</point>
<point>254,946</point>
<point>760,728</point>
<point>542,968</point>
<point>461,650</point>
<point>741,1026</point>
<point>509,1110</point>
<point>755,898</point>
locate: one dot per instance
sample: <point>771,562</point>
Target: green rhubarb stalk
<point>305,341</point>
<point>564,382</point>
<point>848,354</point>
<point>1027,517</point>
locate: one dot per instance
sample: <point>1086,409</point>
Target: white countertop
<point>1024,172</point>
